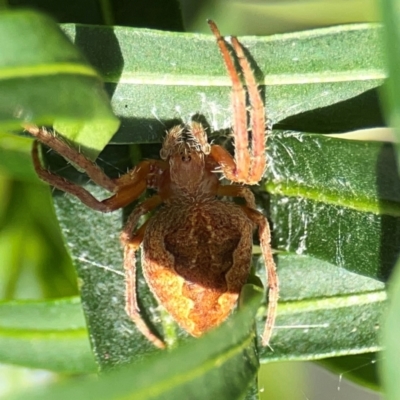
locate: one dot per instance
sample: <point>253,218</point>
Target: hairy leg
<point>131,242</point>
<point>237,172</point>
<point>273,282</point>
<point>127,188</point>
<point>53,141</point>
<point>257,118</point>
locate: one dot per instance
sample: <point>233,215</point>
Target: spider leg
<point>257,117</point>
<point>127,188</point>
<point>273,282</point>
<point>60,183</point>
<point>131,242</point>
<point>227,163</point>
<point>265,239</point>
<point>132,184</point>
<point>238,191</point>
<point>240,172</point>
<point>54,142</point>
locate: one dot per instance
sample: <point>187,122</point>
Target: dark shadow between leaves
<point>89,38</point>
<point>388,187</point>
<point>360,112</point>
<point>153,14</point>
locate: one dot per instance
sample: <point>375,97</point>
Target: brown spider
<point>196,249</point>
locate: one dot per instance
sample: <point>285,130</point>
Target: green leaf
<point>15,157</point>
<point>45,334</point>
<point>30,239</point>
<point>220,365</point>
<point>154,77</point>
<point>389,360</point>
<point>157,77</point>
<point>337,200</point>
<point>324,311</point>
<point>390,13</point>
<point>44,80</point>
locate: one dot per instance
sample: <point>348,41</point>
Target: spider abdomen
<point>196,259</point>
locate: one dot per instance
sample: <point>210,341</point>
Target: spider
<point>196,249</point>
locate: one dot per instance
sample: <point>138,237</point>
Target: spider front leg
<point>58,145</point>
<point>131,243</point>
<point>249,162</point>
<point>62,184</point>
<point>126,188</point>
<point>257,117</point>
<point>265,239</point>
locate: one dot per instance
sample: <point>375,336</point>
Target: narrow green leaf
<point>324,311</point>
<point>45,334</point>
<point>389,361</point>
<point>221,365</point>
<point>338,200</point>
<point>44,80</point>
<point>390,14</point>
<point>154,77</point>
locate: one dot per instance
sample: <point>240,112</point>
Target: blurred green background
<point>34,263</point>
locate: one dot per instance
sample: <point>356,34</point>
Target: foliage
<point>334,203</point>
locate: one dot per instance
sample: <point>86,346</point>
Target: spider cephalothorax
<point>190,169</point>
<point>196,249</point>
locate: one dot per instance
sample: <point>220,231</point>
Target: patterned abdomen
<point>203,262</point>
